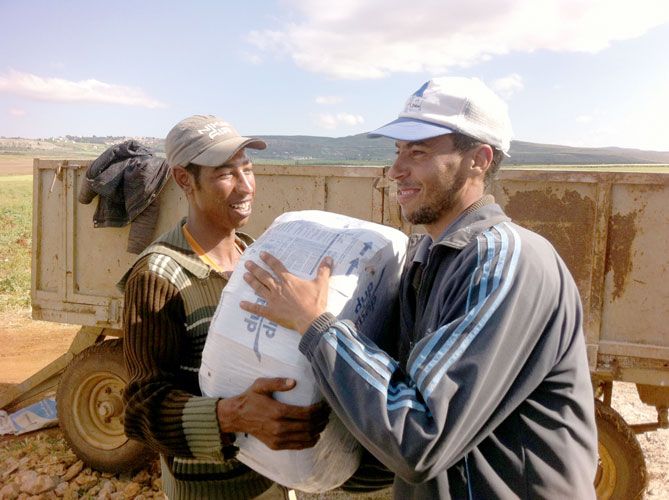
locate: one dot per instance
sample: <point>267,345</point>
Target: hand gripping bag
<point>241,347</point>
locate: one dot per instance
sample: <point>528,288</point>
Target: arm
<point>461,380</point>
<point>159,410</point>
<point>163,405</point>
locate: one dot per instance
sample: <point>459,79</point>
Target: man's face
<point>430,178</point>
<point>224,195</point>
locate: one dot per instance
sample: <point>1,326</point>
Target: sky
<point>589,73</point>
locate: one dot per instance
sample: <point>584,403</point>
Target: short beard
<point>443,203</point>
<point>425,215</point>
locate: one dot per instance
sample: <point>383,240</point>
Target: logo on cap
<point>415,102</point>
<point>215,129</point>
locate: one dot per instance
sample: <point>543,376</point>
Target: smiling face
<point>222,197</point>
<point>435,182</point>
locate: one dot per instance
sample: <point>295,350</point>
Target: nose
<point>397,170</point>
<point>245,182</point>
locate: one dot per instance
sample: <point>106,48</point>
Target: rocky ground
<point>40,465</point>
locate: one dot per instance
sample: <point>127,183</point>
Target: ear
<point>183,179</point>
<point>481,159</point>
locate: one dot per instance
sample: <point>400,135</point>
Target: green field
<point>15,241</point>
<point>645,168</point>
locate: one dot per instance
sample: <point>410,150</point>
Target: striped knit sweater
<point>170,298</point>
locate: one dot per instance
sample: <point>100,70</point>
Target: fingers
<point>296,430</point>
<point>292,434</point>
<point>293,443</point>
<point>267,386</point>
<point>324,269</point>
<point>251,307</point>
<point>318,412</point>
<point>280,426</point>
<point>274,264</point>
<point>257,276</point>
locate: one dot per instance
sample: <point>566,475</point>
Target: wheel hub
<point>99,419</point>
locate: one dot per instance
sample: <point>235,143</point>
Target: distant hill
<point>530,153</point>
<point>358,148</point>
<point>354,149</point>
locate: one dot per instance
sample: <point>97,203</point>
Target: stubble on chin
<point>440,204</point>
<point>423,215</point>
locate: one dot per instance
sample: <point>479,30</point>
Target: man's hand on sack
<point>290,301</point>
<point>280,426</point>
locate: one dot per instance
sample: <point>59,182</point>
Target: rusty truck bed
<point>611,228</point>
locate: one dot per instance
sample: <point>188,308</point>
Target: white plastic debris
<point>241,347</point>
<point>31,418</point>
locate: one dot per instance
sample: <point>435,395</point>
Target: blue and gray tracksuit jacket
<point>490,396</point>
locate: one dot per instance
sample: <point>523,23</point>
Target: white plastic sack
<point>31,418</point>
<point>241,347</point>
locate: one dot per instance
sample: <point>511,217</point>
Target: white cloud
<point>328,99</point>
<point>332,121</point>
<point>508,85</point>
<point>252,58</point>
<point>372,39</point>
<point>584,119</point>
<point>17,112</point>
<point>59,89</point>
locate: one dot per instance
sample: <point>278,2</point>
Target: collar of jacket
<point>173,244</point>
<point>480,216</point>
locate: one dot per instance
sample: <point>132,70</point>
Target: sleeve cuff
<point>203,434</point>
<point>315,331</point>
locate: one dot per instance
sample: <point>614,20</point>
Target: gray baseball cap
<point>205,140</point>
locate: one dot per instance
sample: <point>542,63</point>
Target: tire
<point>621,469</point>
<point>90,410</point>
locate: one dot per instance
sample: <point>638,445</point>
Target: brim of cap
<point>222,151</point>
<point>410,129</point>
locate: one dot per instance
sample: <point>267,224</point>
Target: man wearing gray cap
<point>171,294</point>
<point>488,393</point>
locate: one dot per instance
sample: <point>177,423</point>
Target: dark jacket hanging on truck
<point>128,178</point>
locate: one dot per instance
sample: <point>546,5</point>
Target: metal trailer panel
<point>611,230</point>
<point>565,212</point>
<point>347,190</point>
<point>47,242</point>
<point>636,288</point>
<point>609,227</point>
<point>76,266</point>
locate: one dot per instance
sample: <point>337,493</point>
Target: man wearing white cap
<point>171,294</point>
<point>488,394</point>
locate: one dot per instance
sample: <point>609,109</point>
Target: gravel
<point>40,465</point>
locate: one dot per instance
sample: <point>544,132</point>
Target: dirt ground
<point>16,165</point>
<point>27,346</point>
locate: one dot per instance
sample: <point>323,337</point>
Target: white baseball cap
<point>452,104</point>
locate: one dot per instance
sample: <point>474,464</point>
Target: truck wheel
<point>90,410</point>
<point>621,469</point>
